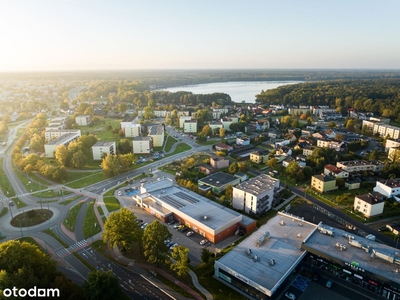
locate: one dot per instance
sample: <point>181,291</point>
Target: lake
<point>238,90</point>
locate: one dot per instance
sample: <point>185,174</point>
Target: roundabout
<point>31,218</point>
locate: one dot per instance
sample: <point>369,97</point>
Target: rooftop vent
<point>282,223</point>
<point>205,217</point>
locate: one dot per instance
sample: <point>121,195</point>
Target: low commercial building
<point>256,195</point>
<point>142,145</point>
<point>101,148</point>
<point>83,120</point>
<point>323,183</point>
<point>218,182</point>
<point>369,205</point>
<point>222,146</point>
<point>157,133</point>
<point>242,141</point>
<point>51,147</point>
<point>388,188</point>
<point>168,202</point>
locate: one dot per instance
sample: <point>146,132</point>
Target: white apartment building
<point>101,148</point>
<point>52,134</point>
<point>132,130</point>
<point>385,130</point>
<point>215,126</point>
<point>51,147</point>
<point>190,126</point>
<point>126,121</point>
<point>157,133</point>
<point>183,119</point>
<point>142,145</point>
<point>256,195</point>
<point>388,188</point>
<point>392,144</point>
<point>228,121</point>
<point>83,120</point>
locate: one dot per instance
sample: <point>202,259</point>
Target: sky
<point>45,35</point>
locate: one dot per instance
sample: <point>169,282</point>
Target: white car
<point>189,233</point>
<point>144,225</point>
<point>290,296</point>
<point>203,242</point>
<point>119,193</point>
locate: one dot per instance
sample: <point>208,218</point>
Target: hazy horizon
<point>71,35</point>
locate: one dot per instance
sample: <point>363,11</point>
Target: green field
<point>90,223</point>
<point>111,203</point>
<point>82,179</point>
<point>101,132</point>
<point>70,221</point>
<point>169,143</point>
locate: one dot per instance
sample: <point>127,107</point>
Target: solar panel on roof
<point>186,197</point>
<point>173,202</point>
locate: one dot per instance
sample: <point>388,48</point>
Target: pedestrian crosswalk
<point>71,249</point>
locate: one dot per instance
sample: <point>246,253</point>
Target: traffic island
<point>31,218</point>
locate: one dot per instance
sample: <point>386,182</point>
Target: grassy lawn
<point>90,223</point>
<point>181,147</point>
<point>4,183</point>
<point>175,166</point>
<point>82,179</point>
<point>66,202</point>
<point>169,143</point>
<point>4,211</point>
<point>104,218</point>
<point>50,194</point>
<point>70,221</point>
<point>31,218</point>
<point>111,203</point>
<point>101,132</point>
<point>100,210</point>
<point>55,236</point>
<point>18,202</point>
<point>218,290</point>
<point>31,186</point>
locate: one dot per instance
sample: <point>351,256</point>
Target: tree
<point>272,163</point>
<point>122,107</point>
<point>233,168</point>
<point>332,124</point>
<point>222,133</point>
<point>102,285</point>
<point>207,131</point>
<point>229,192</point>
<point>24,265</point>
<point>292,170</point>
<point>153,242</point>
<point>78,159</point>
<point>180,262</point>
<point>110,165</point>
<point>36,143</point>
<point>125,146</point>
<point>63,156</point>
<point>122,229</point>
<point>205,255</point>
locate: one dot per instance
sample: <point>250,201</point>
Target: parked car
<point>315,276</point>
<point>176,225</point>
<point>384,228</point>
<point>329,284</point>
<point>144,225</point>
<point>119,193</point>
<point>189,233</point>
<point>170,244</point>
<point>290,296</point>
<point>184,229</point>
<point>11,203</point>
<point>203,242</point>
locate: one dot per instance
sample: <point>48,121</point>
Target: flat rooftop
<point>102,144</point>
<point>351,163</point>
<point>177,199</point>
<point>142,138</point>
<point>258,185</point>
<point>63,138</point>
<point>217,179</point>
<point>286,234</point>
<point>156,130</point>
<point>380,259</point>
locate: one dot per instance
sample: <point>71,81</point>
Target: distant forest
<point>380,96</point>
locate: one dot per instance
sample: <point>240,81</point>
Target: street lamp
<point>20,227</point>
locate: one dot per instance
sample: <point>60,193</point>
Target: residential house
<point>323,183</point>
<point>370,205</point>
<point>360,166</point>
<point>219,162</point>
<point>259,156</point>
<point>222,146</point>
<point>331,170</point>
<point>388,188</point>
<point>307,151</point>
<point>284,150</point>
<point>242,141</point>
<point>206,169</point>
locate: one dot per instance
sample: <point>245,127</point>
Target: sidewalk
<point>285,202</point>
